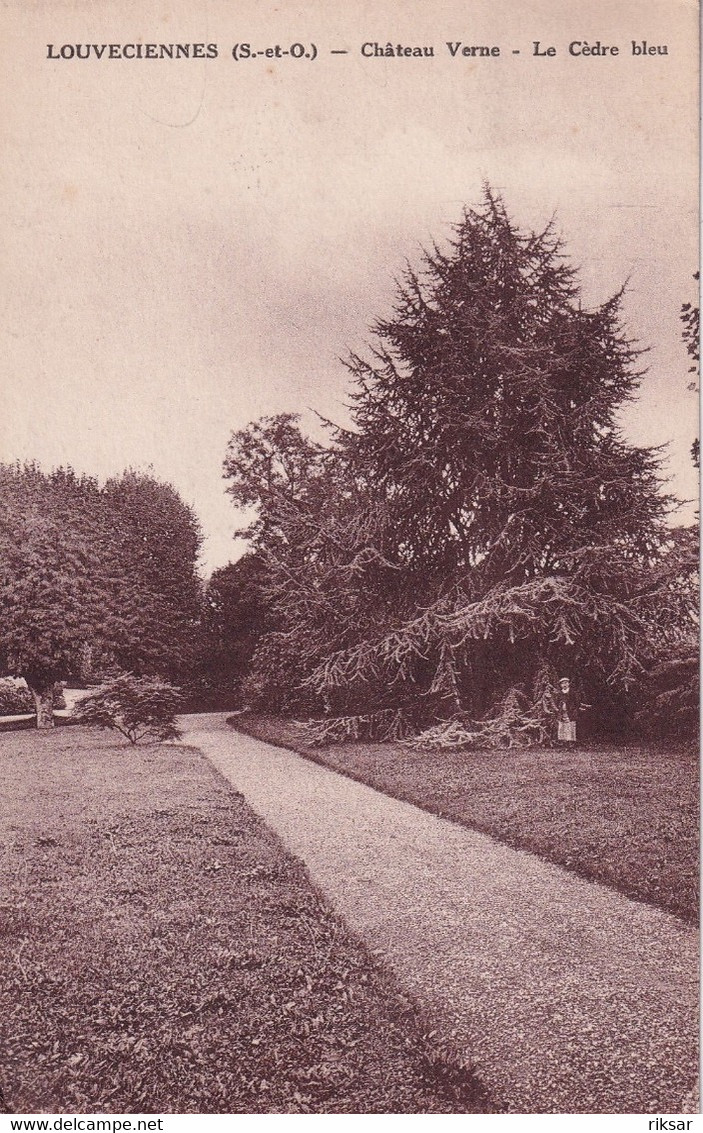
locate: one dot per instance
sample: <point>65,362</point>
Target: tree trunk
<point>44,701</point>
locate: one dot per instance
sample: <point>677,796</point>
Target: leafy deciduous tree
<point>151,554</point>
<point>235,617</point>
<point>93,579</point>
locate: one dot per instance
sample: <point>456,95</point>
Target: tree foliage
<point>92,578</point>
<point>668,696</point>
<point>49,559</point>
<point>318,536</point>
<point>482,526</point>
<point>234,618</point>
<point>691,333</point>
<point>150,554</point>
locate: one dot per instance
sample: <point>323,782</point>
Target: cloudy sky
<point>193,243</point>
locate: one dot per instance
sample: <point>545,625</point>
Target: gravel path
<point>569,997</point>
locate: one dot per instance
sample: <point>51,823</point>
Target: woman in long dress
<point>568,712</point>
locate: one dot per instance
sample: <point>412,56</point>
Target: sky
<point>191,244</point>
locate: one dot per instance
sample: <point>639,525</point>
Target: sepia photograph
<point>349,561</point>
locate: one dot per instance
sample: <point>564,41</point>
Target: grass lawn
<point>624,816</point>
<point>161,952</point>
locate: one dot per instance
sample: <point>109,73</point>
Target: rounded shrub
<point>140,708</point>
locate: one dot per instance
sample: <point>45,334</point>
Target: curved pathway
<point>568,996</point>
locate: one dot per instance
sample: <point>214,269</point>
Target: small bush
<point>15,698</point>
<point>140,708</point>
<point>669,696</point>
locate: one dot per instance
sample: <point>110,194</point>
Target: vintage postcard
<point>348,559</point>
